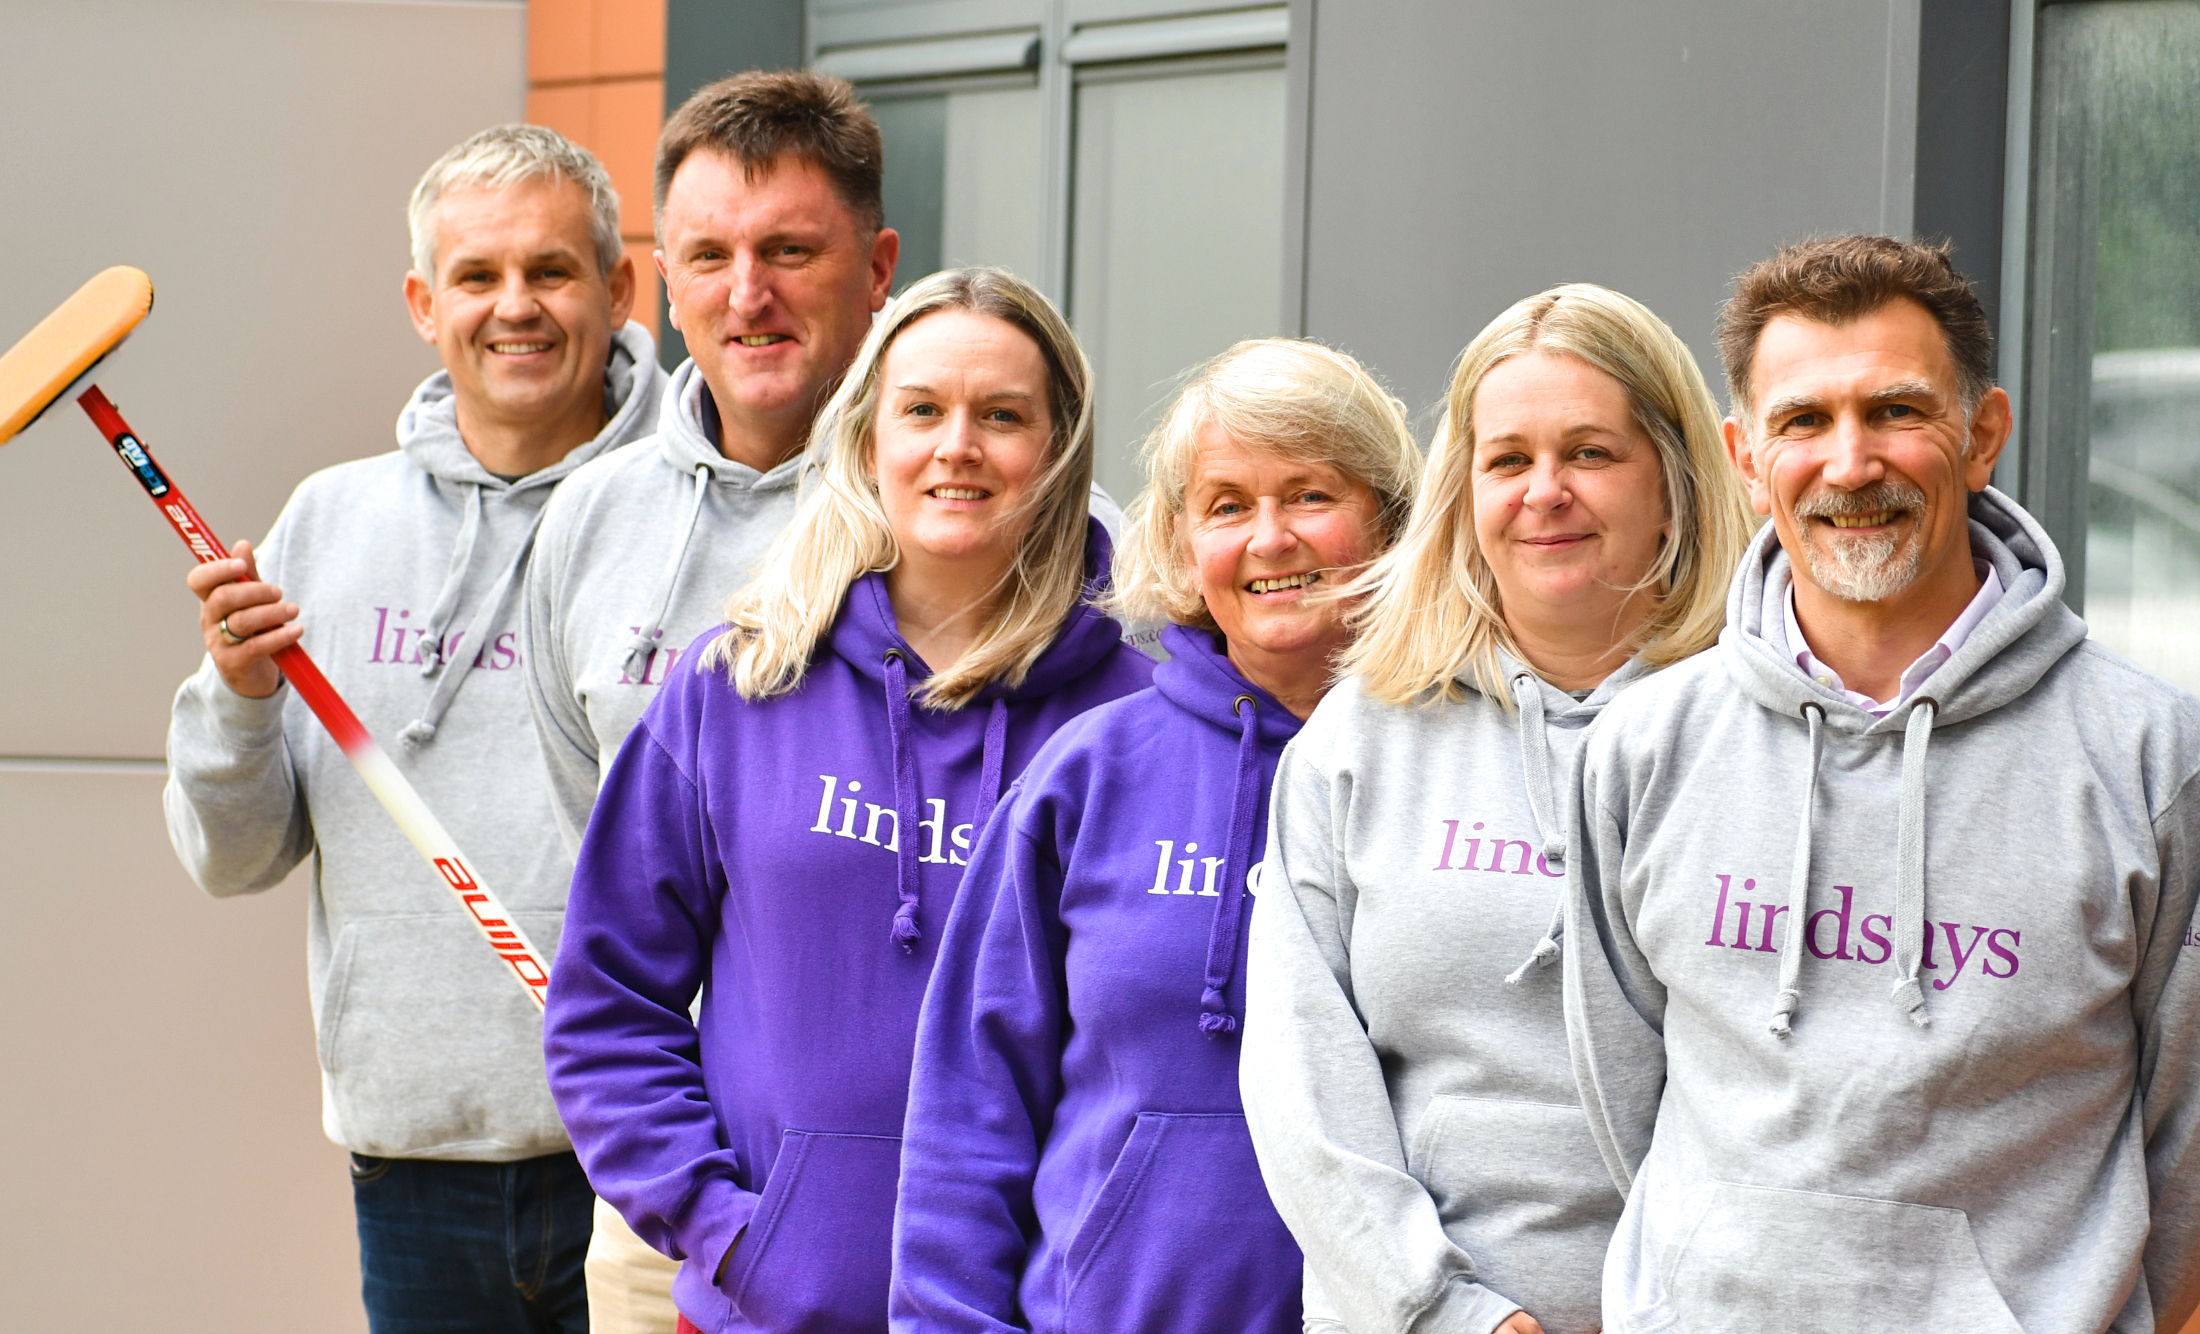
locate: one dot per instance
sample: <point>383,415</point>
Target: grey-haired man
<point>473,1212</point>
<point>1880,975</point>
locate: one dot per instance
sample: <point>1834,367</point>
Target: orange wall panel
<point>561,38</point>
<point>629,38</point>
<point>568,110</point>
<point>625,121</point>
<point>595,74</point>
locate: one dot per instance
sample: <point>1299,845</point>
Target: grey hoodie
<point>1404,1069</point>
<point>1981,1115</point>
<point>638,555</point>
<point>427,1048</point>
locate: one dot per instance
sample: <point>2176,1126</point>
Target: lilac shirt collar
<point>1944,648</point>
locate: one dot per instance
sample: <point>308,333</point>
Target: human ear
<point>420,304</point>
<point>621,283</point>
<point>1744,455</point>
<point>1991,425</point>
<point>885,254</point>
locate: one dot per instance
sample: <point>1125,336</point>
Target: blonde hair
<point>1299,401</point>
<point>1430,612</point>
<point>840,532</point>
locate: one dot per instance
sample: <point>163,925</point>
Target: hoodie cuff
<point>1465,1307</point>
<point>715,1219</point>
<point>247,723</point>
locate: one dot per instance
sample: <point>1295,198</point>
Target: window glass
<point>2116,314</point>
<point>1176,247</point>
<point>962,178</point>
<point>915,133</point>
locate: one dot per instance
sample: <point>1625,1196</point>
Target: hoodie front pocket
<point>1182,1238</point>
<point>429,1047</point>
<point>1764,1258</point>
<point>1521,1188</point>
<point>819,1251</point>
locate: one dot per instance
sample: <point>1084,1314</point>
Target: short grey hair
<point>501,157</point>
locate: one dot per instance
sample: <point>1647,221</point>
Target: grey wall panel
<point>166,1168</point>
<point>1962,113</point>
<point>1463,155</point>
<point>254,156</point>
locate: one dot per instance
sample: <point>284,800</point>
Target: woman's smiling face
<point>1265,532</point>
<point>963,425</point>
<point>1569,500</point>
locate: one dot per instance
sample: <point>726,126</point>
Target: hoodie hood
<point>1199,678</point>
<point>428,435</point>
<point>2024,636</point>
<point>867,632</point>
<point>687,441</point>
<point>868,639</point>
<point>427,429</point>
<point>688,433</point>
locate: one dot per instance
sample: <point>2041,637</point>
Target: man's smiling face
<point>772,279</point>
<point>1860,449</point>
<point>518,307</point>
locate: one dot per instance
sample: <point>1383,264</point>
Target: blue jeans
<point>473,1248</point>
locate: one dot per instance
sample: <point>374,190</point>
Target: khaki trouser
<point>629,1284</point>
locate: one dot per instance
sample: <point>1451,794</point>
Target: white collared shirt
<point>1944,648</point>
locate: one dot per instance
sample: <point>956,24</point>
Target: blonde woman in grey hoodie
<point>1405,1070</point>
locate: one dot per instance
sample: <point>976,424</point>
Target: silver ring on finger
<point>227,637</point>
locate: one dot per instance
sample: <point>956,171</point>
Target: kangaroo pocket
<point>818,1253</point>
<point>429,1044</point>
<point>1182,1237</point>
<point>1761,1258</point>
<point>1521,1189</point>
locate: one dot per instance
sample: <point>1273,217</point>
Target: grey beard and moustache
<point>1863,569</point>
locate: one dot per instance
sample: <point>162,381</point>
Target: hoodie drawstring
<point>1535,765</point>
<point>1909,876</point>
<point>422,729</point>
<point>906,932</point>
<point>1215,1018</point>
<point>1791,947</point>
<point>454,583</point>
<point>643,647</point>
<point>1909,894</point>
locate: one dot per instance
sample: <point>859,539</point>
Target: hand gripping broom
<point>58,360</point>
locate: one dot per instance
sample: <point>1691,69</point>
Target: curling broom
<point>57,360</point>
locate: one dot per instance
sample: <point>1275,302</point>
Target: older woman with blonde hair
<point>788,824</point>
<point>1405,1073</point>
<point>1075,1156</point>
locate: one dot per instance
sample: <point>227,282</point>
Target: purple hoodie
<point>795,858</point>
<point>1076,1156</point>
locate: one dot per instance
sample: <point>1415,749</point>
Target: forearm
<point>235,814</point>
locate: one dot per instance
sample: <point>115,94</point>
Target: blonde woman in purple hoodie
<point>1405,1072</point>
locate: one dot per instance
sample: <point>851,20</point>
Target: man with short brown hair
<point>1876,980</point>
<point>773,249</point>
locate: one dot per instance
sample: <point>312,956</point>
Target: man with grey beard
<point>1958,1086</point>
